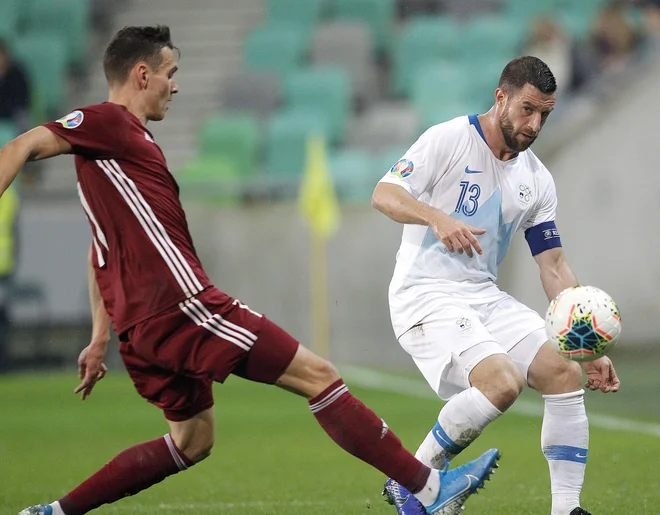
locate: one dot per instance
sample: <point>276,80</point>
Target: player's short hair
<point>134,44</point>
<point>527,70</point>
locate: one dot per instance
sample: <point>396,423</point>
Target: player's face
<point>523,115</point>
<point>162,86</point>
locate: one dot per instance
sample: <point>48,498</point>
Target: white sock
<point>460,421</point>
<point>429,494</point>
<point>565,442</point>
<point>57,509</point>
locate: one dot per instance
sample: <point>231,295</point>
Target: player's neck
<point>494,137</point>
<point>130,102</point>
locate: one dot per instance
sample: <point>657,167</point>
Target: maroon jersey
<point>144,258</point>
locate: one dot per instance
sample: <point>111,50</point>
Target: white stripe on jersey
<point>98,233</point>
<point>154,229</point>
<point>212,325</point>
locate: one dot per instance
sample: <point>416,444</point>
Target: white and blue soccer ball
<point>583,323</point>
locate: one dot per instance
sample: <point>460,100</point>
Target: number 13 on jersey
<point>470,206</point>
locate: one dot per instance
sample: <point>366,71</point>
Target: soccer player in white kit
<point>462,190</point>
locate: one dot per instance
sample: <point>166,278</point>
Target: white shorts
<point>447,345</point>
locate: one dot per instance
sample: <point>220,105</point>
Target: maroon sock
<point>130,472</point>
<point>358,430</point>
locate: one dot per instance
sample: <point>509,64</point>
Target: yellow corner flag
<point>318,205</point>
<point>317,200</point>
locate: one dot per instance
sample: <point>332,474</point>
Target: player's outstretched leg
<point>359,431</point>
<point>496,384</point>
<point>137,468</point>
<point>565,430</point>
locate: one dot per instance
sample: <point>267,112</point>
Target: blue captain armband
<point>542,237</point>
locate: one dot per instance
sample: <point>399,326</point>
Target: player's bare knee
<point>499,379</point>
<point>324,374</point>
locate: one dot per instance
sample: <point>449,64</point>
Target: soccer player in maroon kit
<point>178,334</point>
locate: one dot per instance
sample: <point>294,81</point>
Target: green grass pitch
<point>272,458</point>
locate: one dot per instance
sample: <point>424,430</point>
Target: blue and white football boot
<point>455,487</point>
<point>39,509</point>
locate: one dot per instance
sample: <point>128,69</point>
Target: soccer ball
<point>583,323</point>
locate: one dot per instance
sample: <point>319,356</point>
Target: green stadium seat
<point>212,178</point>
<point>278,48</point>
<point>44,59</point>
<point>69,19</point>
<point>387,159</point>
<point>423,39</point>
<point>438,83</point>
<point>326,89</point>
<point>286,140</point>
<point>379,15</point>
<point>495,36</point>
<point>440,113</point>
<point>305,14</point>
<point>234,138</point>
<point>8,132</point>
<point>9,21</point>
<point>523,11</point>
<point>353,174</point>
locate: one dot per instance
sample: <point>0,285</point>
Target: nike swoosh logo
<point>439,435</point>
<point>458,495</point>
<point>580,456</point>
<point>467,170</point>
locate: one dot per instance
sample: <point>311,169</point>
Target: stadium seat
<point>349,45</point>
<point>385,125</point>
<point>279,49</point>
<point>383,161</point>
<point>434,115</point>
<point>8,132</point>
<point>9,20</point>
<point>305,14</point>
<point>211,178</point>
<point>353,174</point>
<point>286,140</point>
<point>523,11</point>
<point>379,15</point>
<point>324,89</point>
<point>69,19</point>
<point>256,92</point>
<point>438,83</point>
<point>44,58</point>
<point>233,138</point>
<point>495,36</point>
<point>423,39</point>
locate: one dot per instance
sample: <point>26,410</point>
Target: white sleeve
<point>421,167</point>
<point>545,209</point>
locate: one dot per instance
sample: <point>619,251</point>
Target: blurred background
<point>257,77</point>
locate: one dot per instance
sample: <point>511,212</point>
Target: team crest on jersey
<point>524,194</point>
<point>72,120</point>
<point>464,324</point>
<point>402,168</point>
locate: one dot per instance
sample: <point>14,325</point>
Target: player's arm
<point>90,362</point>
<point>395,202</point>
<point>556,275</point>
<point>39,143</point>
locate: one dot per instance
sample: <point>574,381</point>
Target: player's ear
<point>500,97</point>
<point>142,75</point>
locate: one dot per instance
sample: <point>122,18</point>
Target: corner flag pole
<point>319,207</point>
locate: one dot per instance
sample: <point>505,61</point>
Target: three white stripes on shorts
<point>179,267</point>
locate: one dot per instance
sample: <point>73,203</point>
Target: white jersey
<point>451,168</point>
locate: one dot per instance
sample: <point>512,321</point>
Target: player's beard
<point>509,133</point>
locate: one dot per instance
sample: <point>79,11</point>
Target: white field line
<point>374,380</point>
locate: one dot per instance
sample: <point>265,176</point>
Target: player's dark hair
<point>134,44</point>
<point>527,70</point>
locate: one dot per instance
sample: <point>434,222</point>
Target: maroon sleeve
<point>95,132</point>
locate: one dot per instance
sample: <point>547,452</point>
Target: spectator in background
<point>14,90</point>
<point>613,37</point>
<point>548,42</point>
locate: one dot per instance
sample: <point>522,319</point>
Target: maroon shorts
<point>174,357</point>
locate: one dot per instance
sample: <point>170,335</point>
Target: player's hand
<point>456,235</point>
<point>91,368</point>
<point>601,375</point>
